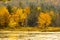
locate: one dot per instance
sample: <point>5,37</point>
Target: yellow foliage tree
<point>4,16</point>
<point>12,22</point>
<point>44,19</point>
<point>14,18</point>
<point>20,15</point>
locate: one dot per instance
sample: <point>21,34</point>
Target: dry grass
<point>49,29</point>
<point>53,29</point>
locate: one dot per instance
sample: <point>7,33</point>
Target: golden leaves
<point>51,13</point>
<point>27,10</point>
<point>3,10</point>
<point>38,8</point>
<point>12,23</point>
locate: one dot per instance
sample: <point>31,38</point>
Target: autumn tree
<point>44,20</point>
<point>13,21</point>
<point>4,17</point>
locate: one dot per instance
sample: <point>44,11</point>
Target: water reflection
<point>28,36</point>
